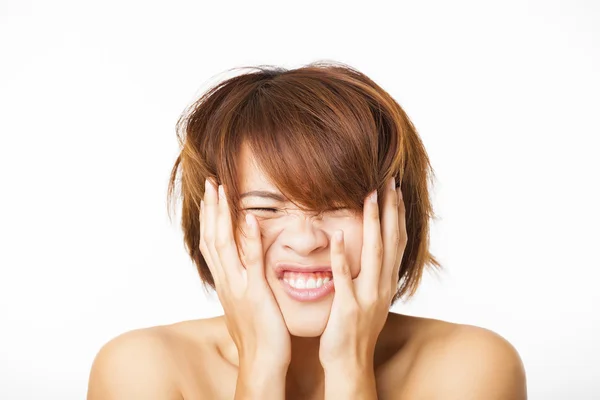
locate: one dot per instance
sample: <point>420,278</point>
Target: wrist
<point>348,368</point>
<point>350,380</point>
<point>263,363</point>
<point>260,380</point>
<point>350,363</point>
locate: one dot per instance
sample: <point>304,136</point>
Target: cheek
<point>353,239</point>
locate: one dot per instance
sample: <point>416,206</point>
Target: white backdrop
<point>505,95</point>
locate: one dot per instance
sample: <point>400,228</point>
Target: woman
<point>305,205</point>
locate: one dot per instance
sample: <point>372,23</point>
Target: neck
<point>305,374</point>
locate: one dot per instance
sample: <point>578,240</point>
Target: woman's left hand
<point>360,306</point>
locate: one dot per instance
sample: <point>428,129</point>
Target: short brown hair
<point>325,134</point>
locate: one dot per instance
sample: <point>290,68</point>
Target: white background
<point>505,95</point>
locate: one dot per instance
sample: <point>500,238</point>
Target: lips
<point>304,294</point>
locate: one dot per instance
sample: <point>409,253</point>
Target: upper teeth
<point>310,283</point>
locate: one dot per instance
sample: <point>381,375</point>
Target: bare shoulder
<point>143,363</point>
<point>135,364</point>
<point>456,361</point>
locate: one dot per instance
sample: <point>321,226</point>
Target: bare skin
<point>393,357</point>
<point>415,358</point>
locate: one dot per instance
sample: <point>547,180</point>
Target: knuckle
<point>205,251</point>
<point>222,242</point>
<point>344,270</point>
<point>250,258</point>
<point>395,239</point>
<point>394,201</point>
<point>378,250</point>
<point>374,212</point>
<point>208,237</point>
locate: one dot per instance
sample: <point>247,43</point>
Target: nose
<point>302,236</point>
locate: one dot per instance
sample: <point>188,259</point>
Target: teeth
<point>306,280</point>
<point>310,283</point>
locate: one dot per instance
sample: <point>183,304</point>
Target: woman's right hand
<point>252,315</point>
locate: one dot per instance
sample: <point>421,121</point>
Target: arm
<point>134,365</point>
<point>256,381</point>
<point>349,380</point>
<point>252,315</point>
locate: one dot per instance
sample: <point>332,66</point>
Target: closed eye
<point>273,210</point>
<point>264,209</point>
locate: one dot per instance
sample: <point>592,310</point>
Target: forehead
<point>250,176</point>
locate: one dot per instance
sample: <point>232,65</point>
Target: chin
<point>305,319</point>
<point>302,318</point>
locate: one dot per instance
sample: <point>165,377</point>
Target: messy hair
<point>324,134</point>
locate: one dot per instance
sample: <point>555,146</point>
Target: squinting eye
<point>264,209</point>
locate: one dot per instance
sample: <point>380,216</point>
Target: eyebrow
<point>264,194</point>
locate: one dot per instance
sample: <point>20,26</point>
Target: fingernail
<point>338,236</point>
<point>393,182</point>
<point>221,192</point>
<point>373,197</point>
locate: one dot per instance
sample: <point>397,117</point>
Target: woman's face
<point>292,236</point>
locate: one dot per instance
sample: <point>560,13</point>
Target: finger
<point>208,220</point>
<point>402,237</point>
<point>390,233</point>
<point>225,243</point>
<point>202,246</point>
<point>372,248</point>
<point>253,253</point>
<point>342,277</point>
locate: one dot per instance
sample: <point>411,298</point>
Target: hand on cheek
<point>252,315</point>
<point>360,306</point>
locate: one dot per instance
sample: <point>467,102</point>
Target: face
<point>290,235</point>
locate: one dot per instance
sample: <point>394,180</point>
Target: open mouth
<point>307,280</point>
<point>307,286</point>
